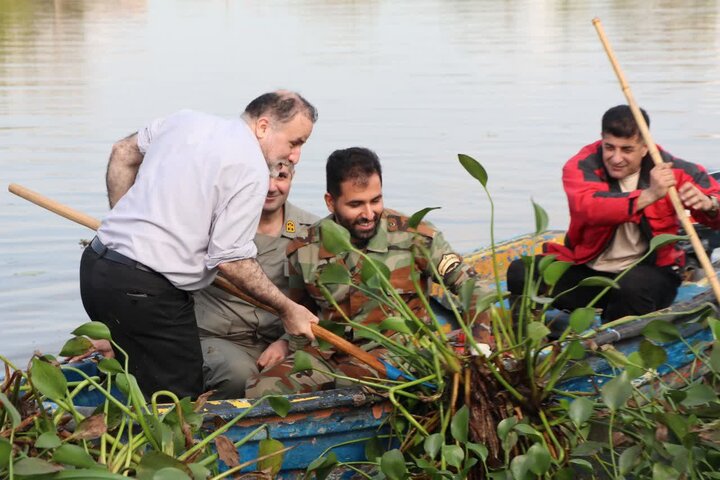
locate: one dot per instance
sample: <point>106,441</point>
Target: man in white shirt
<point>186,194</point>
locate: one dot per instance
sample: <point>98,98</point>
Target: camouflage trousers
<point>278,379</point>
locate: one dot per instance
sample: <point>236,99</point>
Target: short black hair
<point>281,106</point>
<point>355,163</point>
<point>619,122</point>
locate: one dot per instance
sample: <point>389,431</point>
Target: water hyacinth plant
<point>44,435</point>
<point>464,411</point>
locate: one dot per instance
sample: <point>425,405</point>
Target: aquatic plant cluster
<point>43,434</point>
<point>487,401</point>
<point>469,412</point>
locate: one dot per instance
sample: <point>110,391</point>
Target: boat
<point>342,420</point>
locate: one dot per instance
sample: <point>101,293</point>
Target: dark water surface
<point>518,84</point>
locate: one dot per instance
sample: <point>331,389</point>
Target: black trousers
<point>152,320</point>
<point>643,289</point>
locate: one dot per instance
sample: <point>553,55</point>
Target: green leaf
<point>519,467</point>
<point>635,366</point>
<point>397,324</point>
<point>334,274</point>
<point>582,318</point>
<point>527,430</point>
<point>76,346</point>
<point>678,424</point>
<point>578,369</point>
<point>303,362</point>
<point>48,379</point>
<point>170,473</point>
<point>418,216</point>
<point>34,466</point>
<point>322,466</point>
<point>629,459</point>
<point>576,350</point>
<point>335,238</point>
<point>715,357</point>
<point>554,271</point>
<point>372,272</point>
<point>432,445</point>
<point>152,462</point>
<point>538,459</point>
<point>617,391</point>
<point>598,282</point>
<point>664,239</point>
<point>536,331</point>
<point>587,449</point>
<point>580,411</point>
<point>110,365</point>
<point>94,330</point>
<point>664,472</point>
<point>479,450</point>
<point>714,325</point>
<point>453,455</point>
<point>280,405</point>
<point>652,356</point>
<point>5,451</point>
<point>699,394</point>
<point>660,331</point>
<point>473,168</point>
<point>269,446</point>
<point>373,449</point>
<point>541,218</point>
<point>582,463</point>
<point>459,424</point>
<point>505,427</point>
<point>94,473</point>
<point>393,465</point>
<point>198,471</point>
<point>7,405</point>
<point>48,440</point>
<point>545,262</point>
<point>615,357</point>
<point>73,455</point>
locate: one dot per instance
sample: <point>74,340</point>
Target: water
<point>518,84</point>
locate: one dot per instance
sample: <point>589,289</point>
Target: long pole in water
<point>655,155</point>
<point>220,282</point>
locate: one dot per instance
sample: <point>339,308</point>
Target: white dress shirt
<point>196,201</point>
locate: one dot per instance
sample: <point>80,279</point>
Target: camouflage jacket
<point>393,245</point>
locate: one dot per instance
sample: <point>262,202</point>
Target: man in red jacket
<point>618,202</point>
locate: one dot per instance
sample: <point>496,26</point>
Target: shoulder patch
<point>448,263</point>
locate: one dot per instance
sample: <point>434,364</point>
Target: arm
<point>247,275</point>
<point>124,163</point>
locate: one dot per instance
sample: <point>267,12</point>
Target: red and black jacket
<point>598,206</point>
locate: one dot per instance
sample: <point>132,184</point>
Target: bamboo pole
<point>220,282</point>
<point>655,155</point>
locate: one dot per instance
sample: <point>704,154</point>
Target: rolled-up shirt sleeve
<point>146,134</point>
<point>232,232</point>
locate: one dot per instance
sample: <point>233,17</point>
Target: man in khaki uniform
<point>354,198</point>
<point>238,339</point>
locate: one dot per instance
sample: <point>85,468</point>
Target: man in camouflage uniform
<point>239,339</point>
<point>354,199</point>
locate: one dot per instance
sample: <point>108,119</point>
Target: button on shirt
<point>196,200</point>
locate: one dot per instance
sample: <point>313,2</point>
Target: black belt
<point>114,256</point>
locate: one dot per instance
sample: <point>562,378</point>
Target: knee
<point>516,277</point>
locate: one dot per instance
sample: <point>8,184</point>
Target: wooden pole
<point>220,282</point>
<point>655,155</point>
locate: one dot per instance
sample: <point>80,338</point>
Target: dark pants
<point>153,321</point>
<point>643,289</point>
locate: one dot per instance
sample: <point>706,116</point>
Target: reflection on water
<point>519,84</point>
